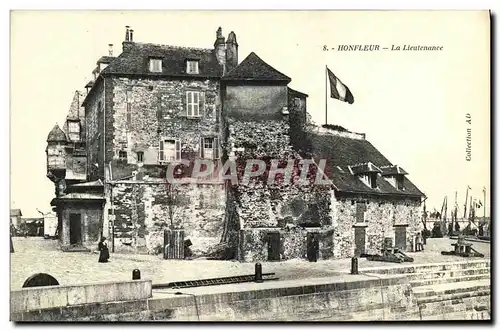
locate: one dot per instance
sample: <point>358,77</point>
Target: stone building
<point>158,105</point>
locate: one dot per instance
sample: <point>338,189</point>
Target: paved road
<point>33,255</point>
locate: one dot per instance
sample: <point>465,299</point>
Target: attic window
<point>155,65</point>
<point>192,67</point>
<point>369,179</point>
<point>400,182</point>
<point>373,180</point>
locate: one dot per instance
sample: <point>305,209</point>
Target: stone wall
<point>94,118</point>
<point>144,110</point>
<point>293,242</point>
<point>380,217</point>
<point>91,222</point>
<point>143,210</point>
<point>255,101</point>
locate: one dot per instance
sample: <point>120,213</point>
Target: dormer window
<point>155,65</point>
<point>192,67</point>
<point>395,175</point>
<point>373,179</point>
<point>367,172</point>
<point>400,182</point>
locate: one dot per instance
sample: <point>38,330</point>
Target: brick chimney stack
<point>127,33</point>
<point>220,48</point>
<point>110,49</point>
<point>129,38</point>
<point>231,52</point>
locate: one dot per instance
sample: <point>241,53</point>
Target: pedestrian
<point>103,251</point>
<point>419,242</point>
<point>312,249</point>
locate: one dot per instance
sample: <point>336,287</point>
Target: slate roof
<point>393,170</point>
<point>78,196</point>
<point>74,108</point>
<point>342,152</point>
<point>106,59</point>
<point>97,183</point>
<point>364,168</point>
<point>295,92</point>
<point>15,212</point>
<point>135,61</point>
<point>253,68</point>
<point>56,134</point>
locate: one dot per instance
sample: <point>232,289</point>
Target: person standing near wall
<point>103,251</point>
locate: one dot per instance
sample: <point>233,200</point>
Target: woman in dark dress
<point>103,250</point>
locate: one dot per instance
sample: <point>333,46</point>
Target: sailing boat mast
<point>465,204</point>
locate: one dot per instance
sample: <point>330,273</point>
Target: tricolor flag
<point>338,89</point>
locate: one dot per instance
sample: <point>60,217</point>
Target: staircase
<point>447,291</point>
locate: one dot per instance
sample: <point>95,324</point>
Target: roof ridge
<point>175,47</point>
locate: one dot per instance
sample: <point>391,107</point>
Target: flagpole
<point>484,202</point>
<point>326,94</point>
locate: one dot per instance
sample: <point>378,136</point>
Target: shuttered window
<point>360,212</point>
<point>209,148</point>
<point>195,103</point>
<point>170,150</point>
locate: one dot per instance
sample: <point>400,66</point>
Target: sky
<point>411,105</point>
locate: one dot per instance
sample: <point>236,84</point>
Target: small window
<point>209,148</point>
<point>74,130</point>
<point>360,212</point>
<point>140,156</point>
<point>99,106</point>
<point>373,180</point>
<point>122,155</point>
<point>400,183</point>
<point>155,65</point>
<point>192,67</point>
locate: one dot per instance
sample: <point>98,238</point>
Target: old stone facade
<point>158,105</point>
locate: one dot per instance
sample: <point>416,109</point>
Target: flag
<point>338,89</point>
<point>479,204</point>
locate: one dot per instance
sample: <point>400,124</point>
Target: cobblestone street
<point>34,255</point>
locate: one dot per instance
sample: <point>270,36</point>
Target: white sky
<point>411,105</point>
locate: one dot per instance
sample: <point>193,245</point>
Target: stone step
<point>448,273</point>
<point>452,288</point>
<point>466,278</point>
<point>431,267</point>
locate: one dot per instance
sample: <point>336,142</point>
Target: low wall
<point>348,297</point>
<point>35,298</point>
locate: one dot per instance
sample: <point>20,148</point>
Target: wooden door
<point>273,246</point>
<point>75,229</point>
<point>400,237</point>
<point>359,241</point>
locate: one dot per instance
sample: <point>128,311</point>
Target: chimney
<point>220,48</point>
<point>127,33</point>
<point>231,52</point>
<point>127,44</point>
<point>110,49</point>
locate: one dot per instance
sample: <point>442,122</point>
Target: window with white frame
<point>193,103</point>
<point>170,150</point>
<point>209,148</point>
<point>155,65</point>
<point>192,67</point>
